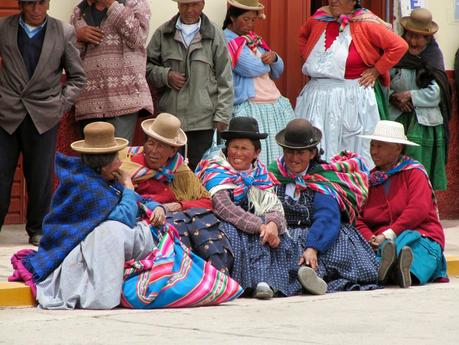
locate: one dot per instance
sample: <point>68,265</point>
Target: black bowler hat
<point>299,134</point>
<point>243,128</point>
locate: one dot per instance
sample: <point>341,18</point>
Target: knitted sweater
<point>378,46</point>
<point>115,68</point>
<point>403,202</point>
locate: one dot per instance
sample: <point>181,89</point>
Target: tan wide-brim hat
<point>165,128</point>
<point>99,137</point>
<point>389,132</point>
<point>419,21</point>
<point>253,5</point>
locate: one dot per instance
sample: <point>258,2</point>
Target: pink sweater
<point>116,68</point>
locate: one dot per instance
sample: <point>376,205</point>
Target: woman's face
<point>385,155</point>
<point>241,153</point>
<point>157,153</point>
<point>108,171</point>
<point>416,42</point>
<point>298,160</point>
<point>339,7</point>
<point>245,23</point>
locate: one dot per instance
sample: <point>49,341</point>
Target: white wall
<point>162,10</point>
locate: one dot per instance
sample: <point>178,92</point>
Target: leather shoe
<point>405,258</point>
<point>388,258</point>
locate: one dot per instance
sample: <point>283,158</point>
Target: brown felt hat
<point>419,21</point>
<point>253,5</point>
<point>99,137</point>
<point>165,128</point>
<point>299,134</point>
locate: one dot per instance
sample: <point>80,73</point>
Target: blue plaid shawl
<point>82,201</point>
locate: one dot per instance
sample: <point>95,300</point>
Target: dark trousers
<point>38,157</point>
<point>198,143</point>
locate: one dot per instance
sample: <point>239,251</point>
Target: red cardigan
<point>378,46</point>
<point>407,205</point>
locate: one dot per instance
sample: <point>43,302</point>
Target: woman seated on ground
<point>321,202</point>
<point>400,219</point>
<point>95,255</point>
<point>255,66</point>
<point>161,174</point>
<point>91,229</point>
<point>252,217</point>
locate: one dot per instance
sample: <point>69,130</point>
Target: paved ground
<point>419,315</point>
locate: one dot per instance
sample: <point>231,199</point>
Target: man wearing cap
<point>34,49</point>
<point>111,37</point>
<point>188,60</point>
<point>161,174</point>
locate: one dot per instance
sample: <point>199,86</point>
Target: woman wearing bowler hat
<point>252,217</point>
<point>321,203</point>
<point>420,95</point>
<point>400,218</point>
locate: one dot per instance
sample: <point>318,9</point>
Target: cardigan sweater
<point>403,202</point>
<point>378,46</point>
<point>30,48</point>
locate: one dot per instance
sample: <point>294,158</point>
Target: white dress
<point>339,107</point>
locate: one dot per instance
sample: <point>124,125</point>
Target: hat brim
<point>82,147</point>
<point>244,7</point>
<point>178,141</point>
<point>227,135</point>
<point>388,140</point>
<point>405,23</point>
<point>280,139</point>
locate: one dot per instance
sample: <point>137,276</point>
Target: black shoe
<point>405,258</point>
<point>388,257</point>
<point>35,240</point>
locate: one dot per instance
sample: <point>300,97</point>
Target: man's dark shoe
<point>405,258</point>
<point>35,240</point>
<point>388,257</point>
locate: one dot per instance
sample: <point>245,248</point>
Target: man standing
<point>111,36</point>
<point>34,50</point>
<point>189,63</point>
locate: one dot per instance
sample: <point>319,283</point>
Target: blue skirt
<point>350,264</point>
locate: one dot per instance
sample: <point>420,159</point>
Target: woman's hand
<point>376,241</point>
<point>269,234</point>
<point>124,178</point>
<point>368,77</point>
<point>173,207</point>
<point>402,101</point>
<point>90,34</point>
<point>309,258</point>
<point>158,217</point>
<point>269,58</point>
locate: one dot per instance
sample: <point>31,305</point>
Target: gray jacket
<point>207,95</point>
<point>43,96</point>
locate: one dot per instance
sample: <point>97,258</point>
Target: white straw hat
<point>391,132</point>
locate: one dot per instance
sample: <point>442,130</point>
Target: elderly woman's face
<point>245,23</point>
<point>157,153</point>
<point>108,171</point>
<point>298,160</point>
<point>385,155</point>
<point>416,42</point>
<point>339,7</point>
<point>241,153</point>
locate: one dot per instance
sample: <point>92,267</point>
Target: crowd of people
<point>336,195</point>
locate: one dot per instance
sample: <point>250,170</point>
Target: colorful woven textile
<point>141,172</point>
<point>360,15</point>
<point>345,178</point>
<point>218,171</point>
<point>252,40</point>
<point>83,200</point>
<point>173,277</point>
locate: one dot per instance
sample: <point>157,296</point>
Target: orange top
<point>378,46</point>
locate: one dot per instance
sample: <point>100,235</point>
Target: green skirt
<point>431,152</point>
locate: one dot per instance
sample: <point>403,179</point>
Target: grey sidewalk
<point>418,315</point>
